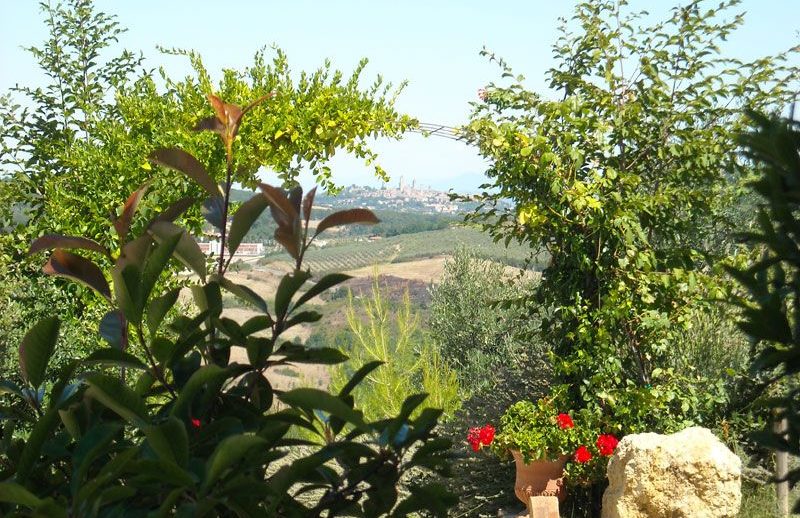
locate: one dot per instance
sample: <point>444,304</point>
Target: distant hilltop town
<point>403,197</point>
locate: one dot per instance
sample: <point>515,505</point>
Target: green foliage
<point>411,362</point>
<point>625,179</point>
<point>79,146</point>
<point>163,423</point>
<point>26,297</point>
<point>480,334</point>
<point>532,429</point>
<point>772,283</point>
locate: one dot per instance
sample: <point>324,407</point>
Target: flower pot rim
<point>520,458</point>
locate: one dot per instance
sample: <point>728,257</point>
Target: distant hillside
<point>402,218</point>
<point>355,254</point>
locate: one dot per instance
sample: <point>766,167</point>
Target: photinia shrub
<point>161,422</point>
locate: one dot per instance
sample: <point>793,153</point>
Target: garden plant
<point>161,422</point>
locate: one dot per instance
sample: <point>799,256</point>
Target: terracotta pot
<point>539,478</point>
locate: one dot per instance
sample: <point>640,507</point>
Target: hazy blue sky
<point>434,45</point>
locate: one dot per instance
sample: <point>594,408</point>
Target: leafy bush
<point>771,309</point>
<point>160,422</point>
<point>412,363</point>
<point>478,334</point>
<point>624,178</point>
<point>499,360</point>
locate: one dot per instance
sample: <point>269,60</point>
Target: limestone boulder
<point>686,474</point>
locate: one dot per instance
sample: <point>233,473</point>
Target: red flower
<point>474,438</point>
<point>486,435</point>
<point>583,455</point>
<point>606,443</point>
<point>565,421</point>
<point>196,422</point>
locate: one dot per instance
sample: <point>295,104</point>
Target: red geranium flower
<point>606,443</point>
<point>565,421</point>
<point>486,435</point>
<point>474,438</point>
<point>583,455</point>
<point>196,422</point>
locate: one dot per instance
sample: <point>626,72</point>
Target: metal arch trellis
<point>437,130</point>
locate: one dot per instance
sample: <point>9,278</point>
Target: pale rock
<point>686,474</point>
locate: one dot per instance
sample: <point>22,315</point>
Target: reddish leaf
<point>219,108</point>
<point>283,211</point>
<point>71,266</point>
<point>287,238</point>
<point>257,102</point>
<point>209,124</point>
<point>50,241</point>
<point>174,211</point>
<point>308,202</point>
<point>347,217</point>
<point>123,224</point>
<point>296,198</point>
<point>234,115</point>
<point>180,160</point>
<point>228,114</point>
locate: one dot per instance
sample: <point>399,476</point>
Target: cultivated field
<point>356,255</point>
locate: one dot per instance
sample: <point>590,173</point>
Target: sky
<point>434,45</point>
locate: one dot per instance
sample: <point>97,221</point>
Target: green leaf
<point>16,494</point>
<point>77,268</point>
<point>290,283</point>
<point>325,283</point>
<point>256,324</point>
<point>159,307</point>
<point>117,396</point>
<point>358,377</point>
<point>244,218</point>
<point>304,317</point>
<point>310,399</point>
<point>127,283</point>
<point>112,328</point>
<point>227,453</point>
<point>347,217</point>
<point>154,266</point>
<point>93,444</point>
<point>169,440</point>
<point>43,429</point>
<point>211,376</point>
<point>186,251</point>
<point>243,292</point>
<point>180,160</point>
<point>50,241</point>
<point>319,355</point>
<point>113,356</point>
<point>36,349</point>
